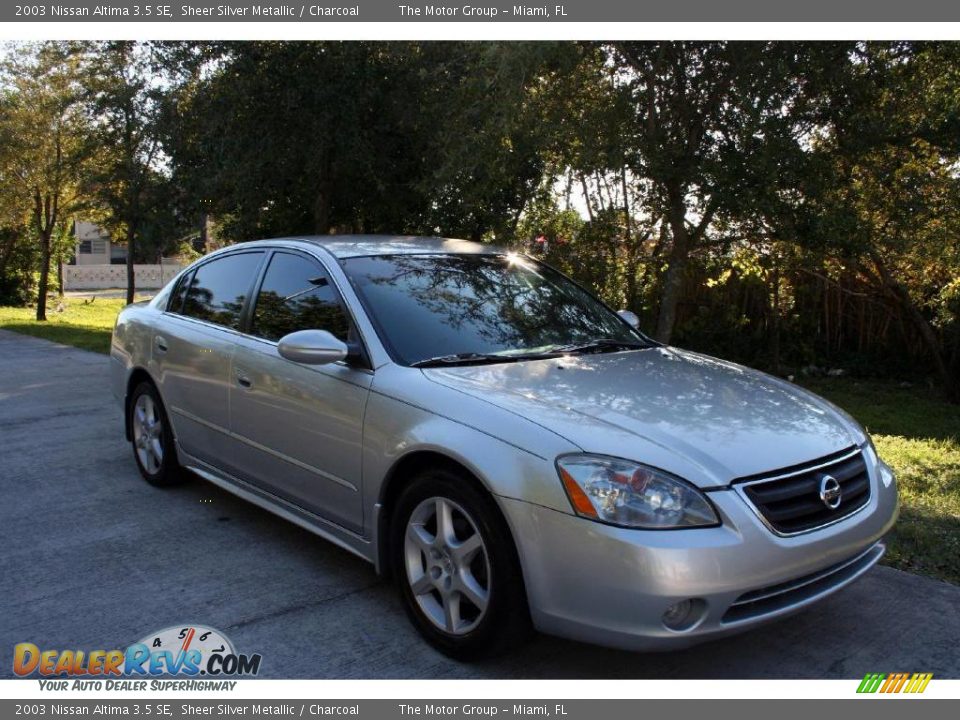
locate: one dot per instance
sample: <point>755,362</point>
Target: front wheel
<point>152,438</point>
<point>457,568</point>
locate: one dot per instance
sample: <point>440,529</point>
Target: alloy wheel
<point>148,434</point>
<point>447,564</point>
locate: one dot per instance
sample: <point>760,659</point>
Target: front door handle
<point>161,343</point>
<point>243,380</point>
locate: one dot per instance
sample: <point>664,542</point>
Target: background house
<point>93,246</point>
<point>98,263</point>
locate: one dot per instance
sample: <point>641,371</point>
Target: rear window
<point>179,292</point>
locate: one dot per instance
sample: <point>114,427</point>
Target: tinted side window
<point>179,293</point>
<point>220,287</point>
<point>297,294</point>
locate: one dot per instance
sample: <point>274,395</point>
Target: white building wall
<point>99,241</point>
<point>102,277</point>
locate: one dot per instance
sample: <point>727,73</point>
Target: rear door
<point>193,347</point>
<point>298,428</point>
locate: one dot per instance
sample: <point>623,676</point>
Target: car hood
<point>706,419</point>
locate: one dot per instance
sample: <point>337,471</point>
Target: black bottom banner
<point>607,709</point>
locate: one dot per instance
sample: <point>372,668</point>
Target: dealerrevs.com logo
<point>180,651</point>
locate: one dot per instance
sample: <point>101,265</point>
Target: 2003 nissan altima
<point>506,447</point>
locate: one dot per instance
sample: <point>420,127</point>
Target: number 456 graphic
<point>894,682</point>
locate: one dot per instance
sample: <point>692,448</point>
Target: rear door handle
<point>160,343</point>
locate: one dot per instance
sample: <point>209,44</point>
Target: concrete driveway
<point>94,558</point>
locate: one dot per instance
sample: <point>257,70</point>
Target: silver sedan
<point>513,453</point>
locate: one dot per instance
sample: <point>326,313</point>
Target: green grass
<point>918,435</point>
<point>914,430</point>
<point>82,323</point>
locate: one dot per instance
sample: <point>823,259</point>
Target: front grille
<point>789,500</point>
<point>802,590</point>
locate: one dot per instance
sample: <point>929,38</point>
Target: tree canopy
<point>783,203</point>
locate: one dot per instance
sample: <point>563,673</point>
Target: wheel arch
<point>404,469</point>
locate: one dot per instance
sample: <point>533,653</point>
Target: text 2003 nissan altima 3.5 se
<point>507,448</point>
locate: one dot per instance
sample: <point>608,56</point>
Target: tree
<point>124,94</point>
<point>492,134</point>
<point>361,137</point>
<point>889,194</point>
<point>702,111</point>
<point>47,130</point>
<point>335,145</point>
<point>592,154</point>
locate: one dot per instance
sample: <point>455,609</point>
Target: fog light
<point>684,615</point>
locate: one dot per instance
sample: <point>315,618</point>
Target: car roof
<point>346,246</point>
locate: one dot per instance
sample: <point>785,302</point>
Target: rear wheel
<point>152,438</point>
<point>456,566</point>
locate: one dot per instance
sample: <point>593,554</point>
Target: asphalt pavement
<point>94,558</point>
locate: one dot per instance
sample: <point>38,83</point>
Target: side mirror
<point>312,347</point>
<point>631,318</point>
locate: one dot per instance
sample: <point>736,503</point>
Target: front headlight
<point>621,492</point>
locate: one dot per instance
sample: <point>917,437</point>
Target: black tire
<point>505,622</point>
<point>166,470</point>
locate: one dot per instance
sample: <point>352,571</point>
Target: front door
<point>298,428</point>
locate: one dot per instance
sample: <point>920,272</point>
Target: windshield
<point>472,307</point>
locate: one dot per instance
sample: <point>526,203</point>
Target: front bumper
<point>611,586</point>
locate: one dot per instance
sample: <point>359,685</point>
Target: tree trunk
<point>44,275</point>
<point>131,276</point>
<point>653,257</point>
<point>60,277</point>
<point>633,250</point>
<point>586,197</point>
<point>45,218</point>
<point>670,297</point>
<point>204,233</point>
<point>899,294</point>
<point>673,283</point>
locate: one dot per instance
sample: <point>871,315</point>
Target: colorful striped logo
<point>894,682</point>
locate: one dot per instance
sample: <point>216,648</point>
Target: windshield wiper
<point>473,358</point>
<point>459,359</point>
<point>603,344</point>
